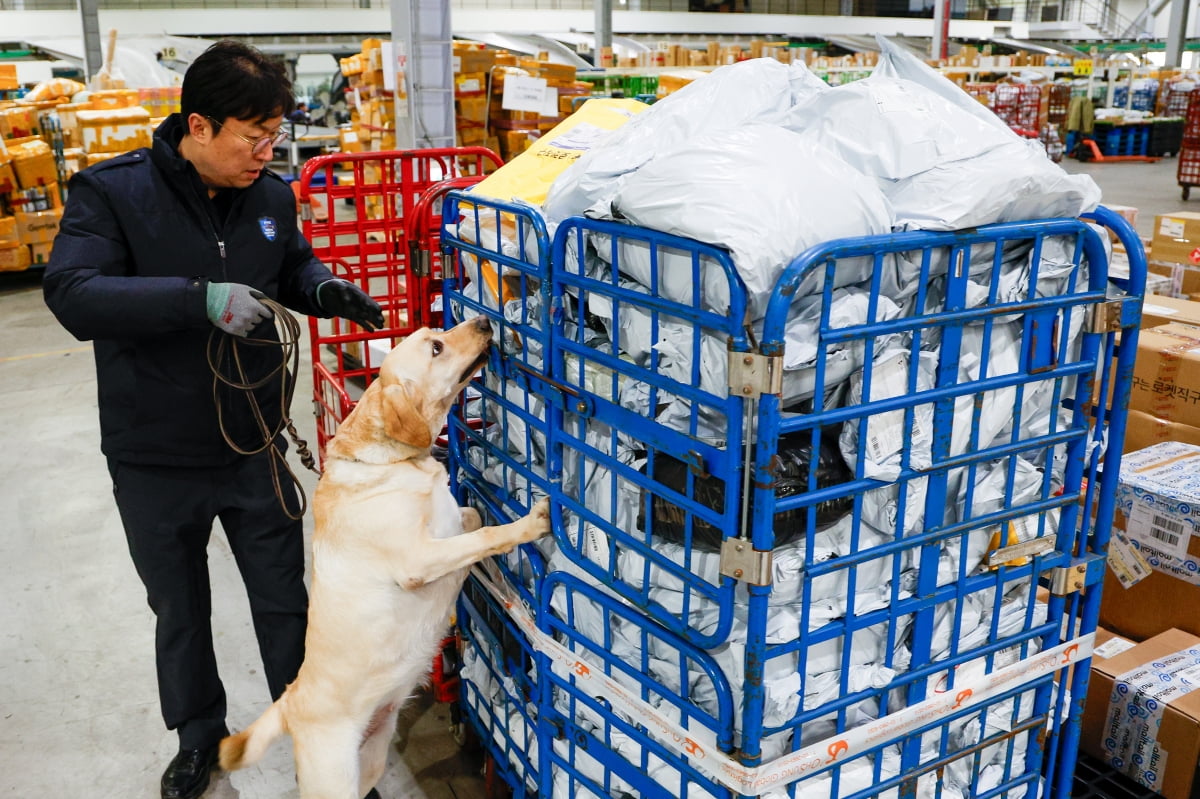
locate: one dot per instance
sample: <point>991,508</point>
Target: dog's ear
<point>403,419</point>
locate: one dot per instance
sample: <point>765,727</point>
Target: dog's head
<point>423,374</point>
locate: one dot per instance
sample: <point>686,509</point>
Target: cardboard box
<point>14,259</point>
<point>1157,743</point>
<point>39,254</point>
<point>38,227</point>
<point>473,60</point>
<point>8,177</point>
<point>1158,507</point>
<point>115,131</point>
<point>112,99</point>
<point>1175,249</point>
<point>8,77</point>
<point>1166,375</point>
<point>1144,430</point>
<point>1159,310</point>
<point>8,231</point>
<point>33,163</point>
<point>18,122</point>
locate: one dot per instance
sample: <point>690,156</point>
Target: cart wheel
<point>1187,190</point>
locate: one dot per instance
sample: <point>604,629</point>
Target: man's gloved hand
<point>342,298</point>
<point>235,307</point>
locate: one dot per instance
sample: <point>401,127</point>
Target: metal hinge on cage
<point>752,374</point>
<point>1112,315</point>
<point>1077,575</point>
<point>743,562</point>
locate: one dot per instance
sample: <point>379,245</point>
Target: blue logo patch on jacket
<point>267,224</point>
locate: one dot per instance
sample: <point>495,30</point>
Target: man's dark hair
<point>232,79</point>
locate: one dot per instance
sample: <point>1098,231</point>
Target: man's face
<point>232,152</point>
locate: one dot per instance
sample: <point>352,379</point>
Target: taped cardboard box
<point>1159,310</point>
<point>1166,374</point>
<point>1175,250</point>
<point>1144,430</point>
<point>8,231</point>
<point>1158,508</point>
<point>1142,715</point>
<point>18,122</point>
<point>33,163</point>
<point>14,259</point>
<point>38,227</point>
<point>116,131</point>
<point>39,254</point>
<point>8,177</point>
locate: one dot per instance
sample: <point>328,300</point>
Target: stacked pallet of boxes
<point>516,128</point>
<point>472,69</point>
<point>372,100</point>
<point>1148,624</point>
<point>30,197</point>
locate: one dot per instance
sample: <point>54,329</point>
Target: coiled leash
<point>223,347</point>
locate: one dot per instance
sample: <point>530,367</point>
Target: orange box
<point>114,131</point>
<point>112,99</point>
<point>8,76</point>
<point>18,121</point>
<point>34,164</point>
<point>38,227</point>
<point>14,259</point>
<point>8,231</point>
<point>40,253</point>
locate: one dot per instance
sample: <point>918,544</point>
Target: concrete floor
<point>78,704</point>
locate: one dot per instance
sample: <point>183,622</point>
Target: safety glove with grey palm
<point>235,307</point>
<point>342,298</point>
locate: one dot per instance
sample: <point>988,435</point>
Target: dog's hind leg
<point>372,755</point>
<point>327,762</point>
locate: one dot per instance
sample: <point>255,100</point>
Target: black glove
<point>342,298</point>
<point>235,307</point>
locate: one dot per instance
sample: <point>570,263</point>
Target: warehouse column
<point>421,69</point>
<point>603,28</point>
<point>941,29</point>
<point>89,12</point>
<point>1177,32</point>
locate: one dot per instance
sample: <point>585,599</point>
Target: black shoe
<point>372,794</point>
<point>187,776</point>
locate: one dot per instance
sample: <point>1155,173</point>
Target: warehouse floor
<point>77,689</point>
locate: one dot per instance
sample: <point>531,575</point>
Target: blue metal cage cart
<point>850,548</point>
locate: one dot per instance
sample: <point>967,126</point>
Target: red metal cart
<point>1188,170</point>
<point>380,243</point>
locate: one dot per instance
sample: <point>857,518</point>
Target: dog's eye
<point>437,348</point>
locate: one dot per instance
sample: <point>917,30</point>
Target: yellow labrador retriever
<point>389,558</point>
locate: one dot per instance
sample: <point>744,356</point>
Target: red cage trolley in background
<point>387,244</point>
<point>1188,170</point>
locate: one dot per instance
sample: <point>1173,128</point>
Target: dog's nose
<point>482,324</point>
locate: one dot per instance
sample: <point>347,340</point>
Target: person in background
<point>300,116</point>
<point>161,251</point>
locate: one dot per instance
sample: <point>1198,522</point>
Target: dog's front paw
<point>537,523</point>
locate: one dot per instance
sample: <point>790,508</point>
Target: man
<point>158,249</point>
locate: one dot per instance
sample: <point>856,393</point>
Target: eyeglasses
<point>257,146</point>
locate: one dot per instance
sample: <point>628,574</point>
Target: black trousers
<point>168,513</point>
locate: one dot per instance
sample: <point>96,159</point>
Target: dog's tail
<point>248,746</point>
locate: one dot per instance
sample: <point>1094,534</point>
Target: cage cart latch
<point>752,374</point>
<point>743,562</point>
<point>1077,575</point>
<point>1112,315</point>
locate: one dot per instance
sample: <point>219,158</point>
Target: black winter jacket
<point>139,243</point>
